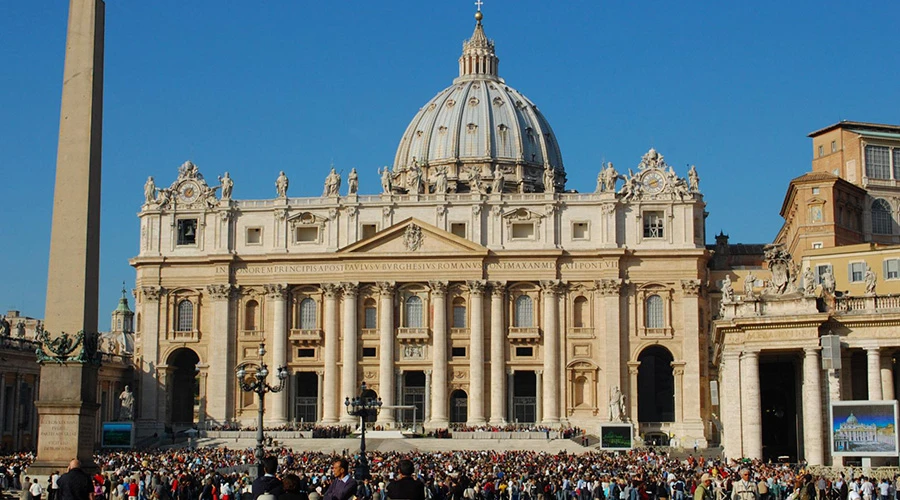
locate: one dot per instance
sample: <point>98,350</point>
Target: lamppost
<point>363,407</point>
<point>258,385</point>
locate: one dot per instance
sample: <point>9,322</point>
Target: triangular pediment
<point>414,237</point>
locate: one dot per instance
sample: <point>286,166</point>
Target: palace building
<point>473,287</point>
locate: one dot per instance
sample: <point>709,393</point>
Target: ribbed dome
<point>479,123</point>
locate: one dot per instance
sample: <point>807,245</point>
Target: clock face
<point>653,182</point>
<point>189,192</point>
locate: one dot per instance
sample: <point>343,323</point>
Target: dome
<point>852,419</point>
<point>479,124</point>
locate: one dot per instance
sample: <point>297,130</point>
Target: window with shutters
<point>654,311</point>
<point>524,312</point>
<point>878,162</point>
<point>308,320</point>
<point>891,269</point>
<point>882,220</point>
<point>413,312</point>
<point>856,271</point>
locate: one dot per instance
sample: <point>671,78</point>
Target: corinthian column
<point>331,396</point>
<point>221,365</point>
<point>476,354</point>
<point>439,416</point>
<point>277,298</point>
<point>348,374</point>
<point>498,356</point>
<point>386,346</point>
<point>551,352</point>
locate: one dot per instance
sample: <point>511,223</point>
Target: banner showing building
<point>616,436</point>
<point>864,428</point>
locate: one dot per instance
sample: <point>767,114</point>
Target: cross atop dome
<point>478,58</point>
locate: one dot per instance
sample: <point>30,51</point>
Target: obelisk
<point>67,405</point>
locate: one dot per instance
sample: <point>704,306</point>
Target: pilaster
<point>221,364</point>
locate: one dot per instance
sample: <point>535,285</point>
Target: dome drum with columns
<point>476,126</point>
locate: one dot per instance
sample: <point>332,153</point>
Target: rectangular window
<point>306,234</point>
<point>833,146</point>
<point>458,228</point>
<point>857,271</point>
<point>187,231</point>
<point>459,352</point>
<point>891,269</point>
<point>821,150</point>
<point>896,156</point>
<point>369,230</point>
<point>653,225</point>
<point>815,190</point>
<point>818,244</point>
<point>524,352</point>
<point>459,316</point>
<point>371,318</point>
<point>523,231</point>
<point>369,352</point>
<point>306,352</point>
<point>579,230</point>
<point>254,235</point>
<point>878,162</point>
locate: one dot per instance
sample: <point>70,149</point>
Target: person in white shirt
<point>36,490</point>
<point>867,489</point>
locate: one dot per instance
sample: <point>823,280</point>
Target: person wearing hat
<point>704,489</point>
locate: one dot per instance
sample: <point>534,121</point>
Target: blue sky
<point>257,87</point>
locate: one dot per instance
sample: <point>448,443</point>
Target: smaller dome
<point>852,419</point>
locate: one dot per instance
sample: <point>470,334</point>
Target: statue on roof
<point>4,326</point>
<point>440,180</point>
<point>188,170</point>
<point>549,179</point>
<point>150,191</point>
<point>386,180</point>
<point>227,186</point>
<point>652,159</point>
<point>828,283</point>
<point>727,290</point>
<point>497,182</point>
<point>352,182</point>
<point>749,282</point>
<point>475,184</point>
<point>780,264</point>
<point>809,282</point>
<point>609,178</point>
<point>870,281</point>
<point>281,185</point>
<point>693,179</point>
<point>332,184</point>
<point>414,178</point>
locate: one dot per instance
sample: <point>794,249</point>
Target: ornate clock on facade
<point>189,192</point>
<point>653,182</point>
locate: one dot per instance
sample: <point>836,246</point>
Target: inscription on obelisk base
<point>67,416</point>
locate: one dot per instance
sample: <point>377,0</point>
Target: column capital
<point>633,367</point>
<point>222,291</point>
<point>609,287</point>
<point>811,350</point>
<point>386,288</point>
<point>678,367</point>
<point>276,291</point>
<point>476,287</point>
<point>331,290</point>
<point>539,372</point>
<point>350,289</point>
<point>552,287</point>
<point>498,288</point>
<point>749,354</point>
<point>870,349</point>
<point>151,293</point>
<point>427,373</point>
<point>438,288</point>
<point>510,371</point>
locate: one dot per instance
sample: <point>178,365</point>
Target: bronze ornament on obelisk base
<point>67,405</point>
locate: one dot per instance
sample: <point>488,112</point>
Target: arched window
<point>250,310</point>
<point>185,321</point>
<point>580,311</point>
<point>882,222</point>
<point>654,307</point>
<point>308,314</point>
<point>413,318</point>
<point>524,312</point>
<point>371,314</point>
<point>459,312</point>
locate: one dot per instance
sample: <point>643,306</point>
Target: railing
<point>413,334</point>
<point>524,334</point>
<point>306,336</point>
<point>880,303</point>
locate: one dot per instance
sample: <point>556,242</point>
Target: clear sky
<point>254,87</point>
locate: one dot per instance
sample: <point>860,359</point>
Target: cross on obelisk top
<point>479,3</point>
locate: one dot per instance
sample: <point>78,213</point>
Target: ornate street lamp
<point>258,385</point>
<point>366,408</point>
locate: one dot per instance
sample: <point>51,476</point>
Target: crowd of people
<point>225,474</point>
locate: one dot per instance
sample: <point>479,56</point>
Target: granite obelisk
<point>67,405</point>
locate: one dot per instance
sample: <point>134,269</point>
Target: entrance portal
<point>524,397</point>
<point>183,386</point>
<point>306,397</point>
<point>413,395</point>
<point>656,386</point>
<point>778,379</point>
<point>459,407</point>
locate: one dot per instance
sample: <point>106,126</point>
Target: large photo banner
<point>616,436</point>
<point>864,428</point>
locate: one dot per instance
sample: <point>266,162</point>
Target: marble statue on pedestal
<point>694,179</point>
<point>616,405</point>
<point>385,174</point>
<point>227,186</point>
<point>332,184</point>
<point>352,182</point>
<point>150,191</point>
<point>281,185</point>
<point>870,281</point>
<point>126,399</point>
<point>809,282</point>
<point>497,183</point>
<point>440,181</point>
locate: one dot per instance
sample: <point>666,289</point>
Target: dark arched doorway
<point>656,386</point>
<point>459,406</point>
<point>183,386</point>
